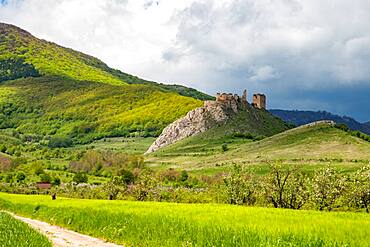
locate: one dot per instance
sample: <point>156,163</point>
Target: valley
<point>130,161</point>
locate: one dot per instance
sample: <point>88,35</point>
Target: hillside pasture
<point>309,147</point>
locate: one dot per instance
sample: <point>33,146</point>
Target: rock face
<point>198,121</point>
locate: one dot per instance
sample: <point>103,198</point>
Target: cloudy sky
<point>304,54</point>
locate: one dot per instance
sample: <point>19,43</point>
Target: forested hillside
<point>49,93</point>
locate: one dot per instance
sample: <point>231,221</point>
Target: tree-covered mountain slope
<point>50,91</point>
<point>23,55</point>
<point>82,111</point>
<point>304,117</point>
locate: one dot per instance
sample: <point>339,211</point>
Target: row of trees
<point>289,187</point>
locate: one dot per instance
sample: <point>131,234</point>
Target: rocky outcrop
<point>198,121</point>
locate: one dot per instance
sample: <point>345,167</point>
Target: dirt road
<point>61,237</point>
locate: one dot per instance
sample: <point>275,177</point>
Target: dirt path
<point>61,237</point>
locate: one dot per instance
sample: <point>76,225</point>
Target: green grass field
<point>16,233</point>
<point>167,224</point>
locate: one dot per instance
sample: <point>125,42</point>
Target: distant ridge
<point>304,117</point>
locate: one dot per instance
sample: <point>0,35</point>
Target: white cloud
<point>213,45</point>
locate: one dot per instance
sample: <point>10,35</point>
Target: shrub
<point>184,176</point>
<point>224,147</point>
<point>20,177</point>
<point>60,142</point>
<point>45,178</point>
<point>55,181</point>
<point>80,177</point>
<point>127,177</point>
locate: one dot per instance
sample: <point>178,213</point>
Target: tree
<point>127,177</point>
<point>328,186</point>
<point>60,142</point>
<point>20,177</point>
<point>184,176</point>
<point>360,189</point>
<point>55,181</point>
<point>80,177</point>
<point>144,186</point>
<point>45,178</point>
<point>224,147</point>
<point>286,187</point>
<point>240,186</point>
<point>9,178</point>
<point>38,169</point>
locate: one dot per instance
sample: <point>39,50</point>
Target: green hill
<point>23,55</point>
<point>47,90</point>
<point>319,144</point>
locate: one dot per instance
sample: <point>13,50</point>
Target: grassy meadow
<point>16,233</point>
<point>308,147</point>
<point>168,224</point>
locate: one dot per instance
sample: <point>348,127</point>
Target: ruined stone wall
<point>259,101</point>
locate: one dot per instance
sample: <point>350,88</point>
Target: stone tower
<point>244,97</point>
<point>259,101</point>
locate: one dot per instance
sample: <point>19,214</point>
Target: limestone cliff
<point>213,113</point>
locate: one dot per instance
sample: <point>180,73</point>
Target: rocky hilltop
<point>226,109</point>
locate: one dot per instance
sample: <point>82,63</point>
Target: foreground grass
<point>17,233</point>
<point>166,224</point>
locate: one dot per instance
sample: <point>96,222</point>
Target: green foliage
<point>14,68</point>
<point>241,186</point>
<point>80,177</point>
<point>100,162</point>
<point>184,176</point>
<point>328,186</point>
<point>60,142</point>
<point>127,176</point>
<point>286,187</point>
<point>55,181</point>
<point>224,147</point>
<point>20,176</point>
<point>17,233</point>
<point>360,189</point>
<point>45,178</point>
<point>38,109</point>
<point>78,99</point>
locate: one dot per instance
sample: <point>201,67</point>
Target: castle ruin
<point>213,113</point>
<point>258,101</point>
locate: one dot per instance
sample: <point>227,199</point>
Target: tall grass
<point>16,233</point>
<point>167,224</point>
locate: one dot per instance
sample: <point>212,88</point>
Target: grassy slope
<point>17,233</point>
<point>250,120</point>
<point>51,59</point>
<point>167,224</point>
<point>321,144</point>
<point>50,105</point>
<point>79,93</point>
